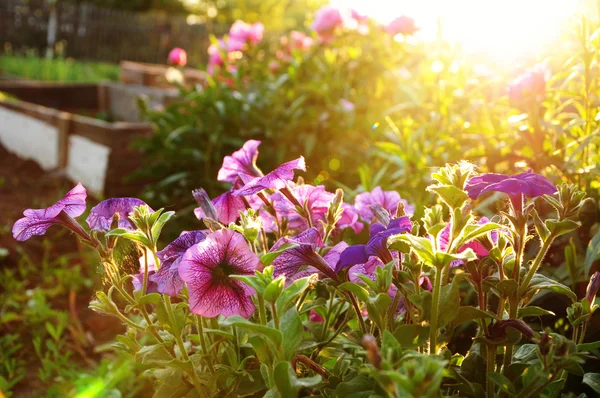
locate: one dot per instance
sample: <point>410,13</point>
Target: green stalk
<point>535,265</point>
<point>275,316</point>
<point>491,362</point>
<point>261,309</point>
<point>435,302</point>
<point>179,341</point>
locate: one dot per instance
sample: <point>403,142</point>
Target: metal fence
<point>84,31</point>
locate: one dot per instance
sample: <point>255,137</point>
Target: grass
<point>56,70</point>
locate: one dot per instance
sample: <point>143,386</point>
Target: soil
<point>23,185</point>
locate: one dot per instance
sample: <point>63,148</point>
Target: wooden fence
<point>86,32</point>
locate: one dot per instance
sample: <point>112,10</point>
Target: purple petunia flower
<point>206,268</point>
<point>387,199</point>
<point>277,179</point>
<point>242,162</point>
<point>37,221</point>
<point>227,207</point>
<point>167,277</point>
<point>102,214</point>
<point>304,260</point>
<point>377,244</point>
<point>528,184</point>
<point>138,279</point>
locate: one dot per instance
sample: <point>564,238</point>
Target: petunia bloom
<point>226,206</point>
<point>525,184</point>
<point>327,18</point>
<point>37,221</point>
<point>241,162</point>
<point>403,25</point>
<point>167,277</point>
<point>387,199</point>
<point>207,267</point>
<point>315,200</point>
<point>529,87</point>
<point>245,32</point>
<point>177,57</point>
<point>303,260</point>
<point>592,288</point>
<point>277,179</point>
<point>350,219</point>
<point>377,244</point>
<point>101,215</point>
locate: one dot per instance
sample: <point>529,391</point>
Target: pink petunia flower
<point>177,57</point>
<point>207,267</point>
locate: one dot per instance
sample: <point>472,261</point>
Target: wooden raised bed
<point>50,123</point>
<point>154,75</point>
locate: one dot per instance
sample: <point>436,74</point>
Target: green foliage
<point>34,67</point>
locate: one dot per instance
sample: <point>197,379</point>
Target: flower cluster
<point>273,241</point>
<point>230,48</point>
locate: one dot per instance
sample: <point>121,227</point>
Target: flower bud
<point>370,344</point>
<point>592,288</point>
<point>251,224</point>
<point>380,213</point>
<point>203,200</point>
<point>274,289</point>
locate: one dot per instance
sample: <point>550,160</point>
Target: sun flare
<point>504,30</point>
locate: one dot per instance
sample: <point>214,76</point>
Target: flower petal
<point>277,179</point>
<point>242,161</point>
<point>101,215</point>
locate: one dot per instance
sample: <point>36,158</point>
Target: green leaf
<point>454,197</point>
<point>289,294</point>
<point>507,287</point>
<point>592,253</point>
<point>586,347</point>
<point>288,384</point>
<point>541,282</point>
<point>359,291</point>
<point>540,227</point>
<point>152,298</point>
<point>558,228</point>
<point>243,323</point>
<point>422,247</point>
<point>474,231</point>
<point>501,381</point>
<point>533,311</point>
<point>526,353</point>
<point>160,223</point>
<point>136,236</point>
<point>468,313</point>
<point>268,258</point>
<point>410,335</point>
<point>356,387</point>
<point>153,354</point>
<point>449,301</point>
<point>292,331</point>
<point>170,384</point>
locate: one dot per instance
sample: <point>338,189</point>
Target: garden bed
<point>45,122</point>
<point>154,75</point>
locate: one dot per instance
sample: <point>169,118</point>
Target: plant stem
<point>535,265</point>
<point>361,321</point>
<point>435,301</point>
<point>262,314</point>
<point>275,316</point>
<point>491,362</point>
